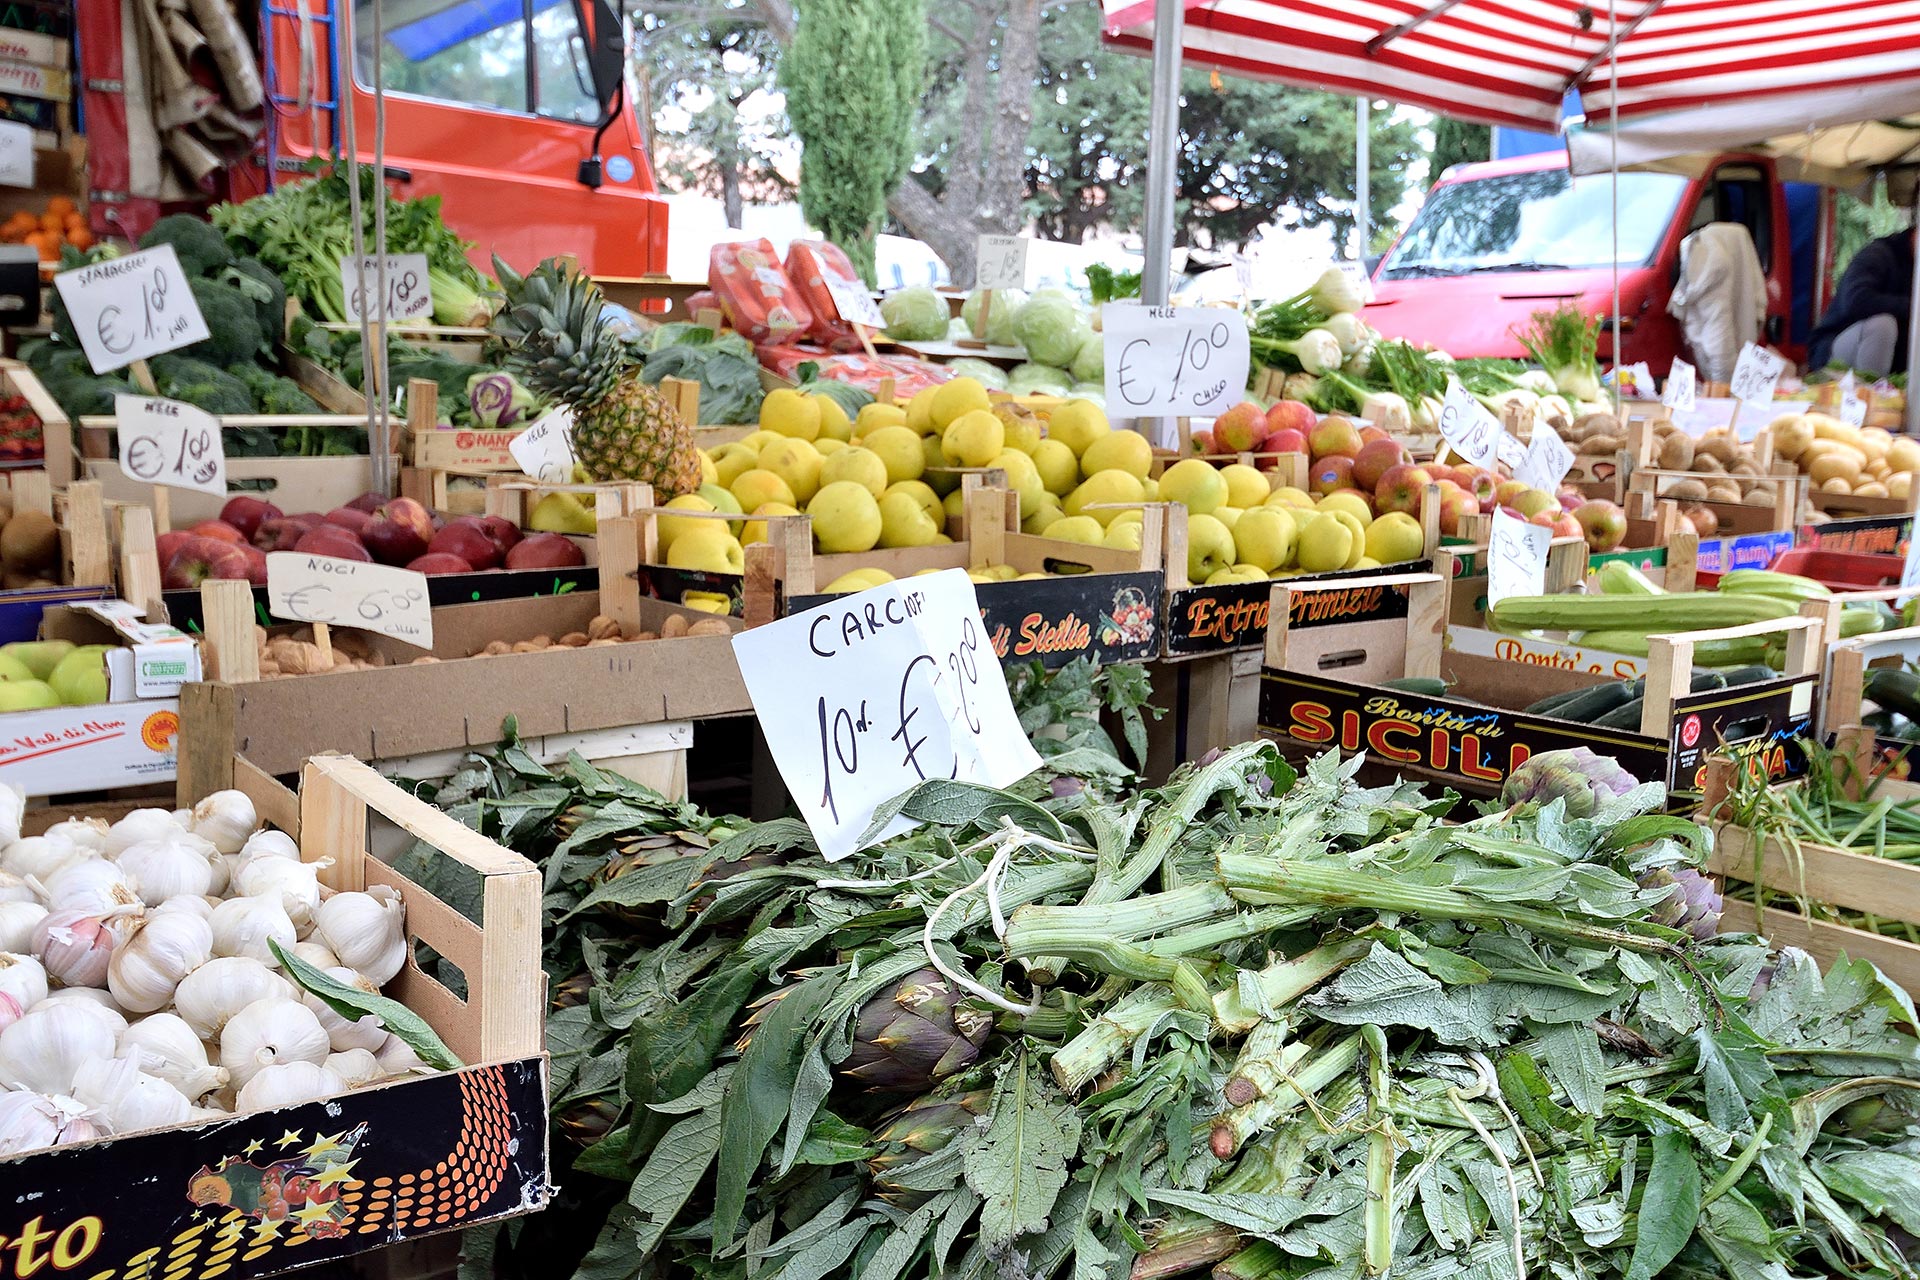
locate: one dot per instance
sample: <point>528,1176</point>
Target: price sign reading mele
<point>350,593</point>
<point>1468,428</point>
<point>166,442</point>
<point>545,449</point>
<point>1000,262</point>
<point>1173,361</point>
<point>1679,392</point>
<point>1547,460</point>
<point>877,692</point>
<point>132,307</point>
<point>1516,558</point>
<point>409,290</point>
<point>1756,374</point>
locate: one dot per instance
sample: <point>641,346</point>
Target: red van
<point>1496,242</point>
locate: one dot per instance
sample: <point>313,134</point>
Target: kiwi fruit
<point>1723,491</point>
<point>1676,453</point>
<point>1595,424</point>
<point>31,540</point>
<point>1599,446</point>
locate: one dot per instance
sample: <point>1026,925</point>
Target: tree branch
<point>778,15</point>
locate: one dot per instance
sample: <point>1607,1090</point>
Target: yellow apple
<point>1194,484</point>
<point>845,517</point>
<point>1264,536</point>
<point>1246,487</point>
<point>1209,547</point>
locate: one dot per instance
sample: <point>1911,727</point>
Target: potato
<point>1707,465</point>
<point>1871,489</point>
<point>674,627</point>
<point>1723,491</point>
<point>1842,465</point>
<point>1791,433</point>
<point>710,627</point>
<point>1598,446</point>
<point>1688,490</point>
<point>1676,453</point>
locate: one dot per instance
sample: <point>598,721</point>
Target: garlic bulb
<point>243,926</point>
<point>48,1044</point>
<point>366,930</point>
<point>15,889</point>
<point>10,1011</point>
<point>286,1083</point>
<point>397,1058</point>
<point>89,834</point>
<point>39,857</point>
<point>168,867</point>
<point>192,904</point>
<point>141,824</point>
<point>34,1121</point>
<point>13,807</point>
<point>267,843</point>
<point>222,987</point>
<point>220,867</point>
<point>16,924</point>
<point>75,946</point>
<point>266,1032</point>
<point>356,1067</point>
<point>23,978</point>
<point>92,885</point>
<point>366,1032</point>
<point>88,1002</point>
<point>295,884</point>
<point>160,950</point>
<point>167,1047</point>
<point>127,1098</point>
<point>316,953</point>
<point>225,819</point>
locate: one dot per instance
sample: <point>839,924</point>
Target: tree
<point>853,76</point>
<point>1458,142</point>
<point>706,61</point>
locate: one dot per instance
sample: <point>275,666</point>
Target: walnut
<point>673,627</point>
<point>303,659</point>
<point>543,641</point>
<point>422,661</point>
<point>595,644</point>
<point>496,647</point>
<point>602,628</point>
<point>710,627</point>
<point>526,646</point>
<point>574,639</point>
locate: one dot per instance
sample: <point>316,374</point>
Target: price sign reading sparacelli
<point>166,442</point>
<point>1173,361</point>
<point>1468,428</point>
<point>1516,558</point>
<point>350,593</point>
<point>545,449</point>
<point>409,291</point>
<point>1679,392</point>
<point>1756,374</point>
<point>877,692</point>
<point>1000,262</point>
<point>131,307</point>
<point>1547,460</point>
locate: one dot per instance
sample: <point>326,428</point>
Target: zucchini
<point>1429,686</point>
<point>1788,586</point>
<point>1896,689</point>
<point>1549,705</point>
<point>1632,643</point>
<point>1749,675</point>
<point>1618,578</point>
<point>1705,680</point>
<point>1598,700</point>
<point>1624,716</point>
<point>1856,621</point>
<point>1649,615</point>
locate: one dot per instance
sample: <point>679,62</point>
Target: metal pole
<point>1913,332</point>
<point>1163,151</point>
<point>1363,175</point>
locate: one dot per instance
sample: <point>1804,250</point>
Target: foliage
<point>718,129</point>
<point>1060,710</point>
<point>724,365</point>
<point>1458,142</point>
<point>1857,221</point>
<point>854,76</point>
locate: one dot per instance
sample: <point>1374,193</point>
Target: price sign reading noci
<point>1756,374</point>
<point>545,449</point>
<point>1000,262</point>
<point>409,290</point>
<point>166,442</point>
<point>1547,460</point>
<point>1516,558</point>
<point>878,692</point>
<point>131,307</point>
<point>1679,392</point>
<point>855,304</point>
<point>1468,428</point>
<point>350,593</point>
<point>1173,361</point>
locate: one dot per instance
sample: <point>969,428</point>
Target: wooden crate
<point>470,1143</point>
<point>1848,659</point>
<point>56,430</point>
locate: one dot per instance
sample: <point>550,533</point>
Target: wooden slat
<point>1840,877</point>
<point>204,760</point>
<point>227,648</point>
<point>83,531</point>
<point>419,818</point>
<point>1826,941</point>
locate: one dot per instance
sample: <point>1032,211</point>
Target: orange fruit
<point>61,205</point>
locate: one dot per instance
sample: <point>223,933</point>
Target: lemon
<point>953,400</point>
<point>862,466</point>
<point>1077,424</point>
<point>1126,451</point>
<point>791,413</point>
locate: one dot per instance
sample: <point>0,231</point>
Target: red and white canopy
<point>1511,62</point>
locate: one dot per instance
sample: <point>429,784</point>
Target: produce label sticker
<point>350,593</point>
<point>1756,374</point>
<point>166,442</point>
<point>1679,392</point>
<point>16,154</point>
<point>1001,263</point>
<point>1170,362</point>
<point>1516,558</point>
<point>1547,460</point>
<point>1468,428</point>
<point>545,449</point>
<point>131,307</point>
<point>877,692</point>
<point>409,290</point>
<point>854,303</point>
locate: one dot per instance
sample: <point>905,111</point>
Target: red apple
<point>1335,435</point>
<point>1370,433</point>
<point>200,558</point>
<point>1202,443</point>
<point>1564,525</point>
<point>1570,499</point>
<point>256,564</point>
<point>1291,415</point>
<point>169,542</point>
<point>504,532</point>
<point>217,529</point>
<point>439,562</point>
<point>1401,489</point>
<point>398,532</point>
<point>545,551</point>
<point>1506,491</point>
<point>1375,459</point>
<point>1603,524</point>
<point>353,521</point>
<point>1285,440</point>
<point>369,502</point>
<point>1454,509</point>
<point>1241,428</point>
<point>469,542</point>
<point>279,533</point>
<point>1335,471</point>
<point>245,513</point>
<point>332,540</point>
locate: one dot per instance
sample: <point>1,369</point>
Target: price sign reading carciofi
<point>350,593</point>
<point>877,692</point>
<point>132,307</point>
<point>166,442</point>
<point>409,290</point>
<point>1173,361</point>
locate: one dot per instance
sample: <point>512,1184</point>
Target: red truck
<point>1498,241</point>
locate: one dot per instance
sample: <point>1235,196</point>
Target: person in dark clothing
<point>1866,327</point>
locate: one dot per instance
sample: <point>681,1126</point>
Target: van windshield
<point>1545,220</point>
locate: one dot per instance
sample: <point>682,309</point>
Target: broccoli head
<point>201,249</point>
<point>233,326</point>
<point>87,395</point>
<point>268,295</point>
<point>206,386</point>
<point>273,393</point>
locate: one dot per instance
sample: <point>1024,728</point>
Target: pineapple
<point>563,349</point>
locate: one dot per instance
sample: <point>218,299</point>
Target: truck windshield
<point>1545,220</point>
<point>477,52</point>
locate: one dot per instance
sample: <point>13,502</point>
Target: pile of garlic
<point>137,987</point>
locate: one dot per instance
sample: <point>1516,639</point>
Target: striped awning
<point>1512,62</point>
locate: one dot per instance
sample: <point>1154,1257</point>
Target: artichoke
<point>1576,775</point>
<point>1692,904</point>
<point>915,1035</point>
<point>925,1126</point>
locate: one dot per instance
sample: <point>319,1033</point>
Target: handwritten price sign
<point>855,305</point>
<point>350,593</point>
<point>1516,558</point>
<point>1001,263</point>
<point>545,449</point>
<point>1468,428</point>
<point>409,292</point>
<point>132,307</point>
<point>1173,361</point>
<point>1547,460</point>
<point>1756,374</point>
<point>1679,392</point>
<point>16,155</point>
<point>878,692</point>
<point>166,442</point>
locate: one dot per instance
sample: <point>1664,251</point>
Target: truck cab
<point>1496,242</point>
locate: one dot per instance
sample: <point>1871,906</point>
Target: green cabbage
<point>1000,320</point>
<point>1090,363</point>
<point>1029,378</point>
<point>985,372</point>
<point>915,314</point>
<point>1051,328</point>
<point>1094,391</point>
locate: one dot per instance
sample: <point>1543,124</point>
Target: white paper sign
<point>1510,452</point>
<point>350,593</point>
<point>1636,383</point>
<point>166,442</point>
<point>409,290</point>
<point>877,692</point>
<point>1165,362</point>
<point>1468,428</point>
<point>1001,263</point>
<point>545,449</point>
<point>1756,374</point>
<point>1853,410</point>
<point>855,304</point>
<point>1548,459</point>
<point>1679,392</point>
<point>131,307</point>
<point>1516,558</point>
<point>16,154</point>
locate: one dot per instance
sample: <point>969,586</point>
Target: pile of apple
<point>372,528</point>
<point>52,673</point>
<point>1248,428</point>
